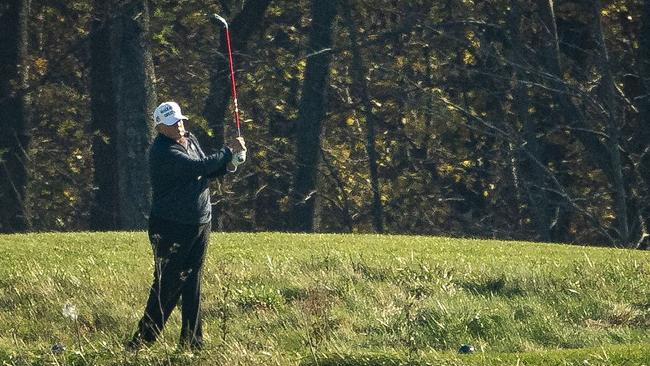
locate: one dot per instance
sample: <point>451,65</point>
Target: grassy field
<point>289,299</point>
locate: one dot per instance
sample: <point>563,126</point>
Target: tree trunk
<point>241,29</point>
<point>530,156</point>
<point>360,88</point>
<point>613,130</point>
<point>312,113</point>
<point>644,60</point>
<point>216,105</point>
<point>644,71</point>
<point>346,217</point>
<point>135,100</point>
<point>597,152</point>
<point>644,130</point>
<point>14,124</point>
<point>104,213</point>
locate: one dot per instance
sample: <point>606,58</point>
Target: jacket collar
<point>169,140</point>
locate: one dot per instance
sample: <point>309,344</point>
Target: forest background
<point>525,120</point>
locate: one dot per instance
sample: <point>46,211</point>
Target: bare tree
<point>534,176</point>
<point>15,126</point>
<point>104,213</point>
<point>135,99</point>
<point>613,130</point>
<point>312,113</point>
<point>360,88</point>
<point>643,136</point>
<point>243,26</point>
<point>606,157</point>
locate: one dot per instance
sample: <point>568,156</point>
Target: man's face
<point>175,131</point>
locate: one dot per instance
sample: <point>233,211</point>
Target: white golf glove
<point>239,158</point>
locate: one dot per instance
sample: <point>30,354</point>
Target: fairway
<point>321,299</point>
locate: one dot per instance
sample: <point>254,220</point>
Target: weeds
<point>288,299</point>
<point>70,312</point>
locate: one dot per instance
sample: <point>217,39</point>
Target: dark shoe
<point>195,346</point>
<point>135,344</point>
<point>132,345</point>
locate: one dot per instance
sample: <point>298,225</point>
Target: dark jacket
<point>179,179</point>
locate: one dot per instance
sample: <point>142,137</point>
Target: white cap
<point>168,113</point>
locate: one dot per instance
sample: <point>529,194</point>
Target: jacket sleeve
<point>181,165</point>
<point>223,170</point>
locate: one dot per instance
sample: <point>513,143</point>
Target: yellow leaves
<point>467,163</point>
<point>69,195</point>
<point>400,61</point>
<point>40,64</point>
<point>344,154</point>
<point>350,121</point>
<point>468,58</point>
<point>275,11</point>
<point>82,31</point>
<point>419,66</point>
<point>473,40</point>
<point>284,202</point>
<point>302,64</point>
<point>446,168</point>
<point>491,187</point>
<point>198,15</point>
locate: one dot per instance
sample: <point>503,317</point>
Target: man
<point>179,224</point>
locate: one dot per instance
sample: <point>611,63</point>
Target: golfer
<point>179,224</point>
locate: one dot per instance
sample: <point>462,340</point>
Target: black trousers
<point>179,251</point>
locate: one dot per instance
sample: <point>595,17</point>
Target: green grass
<point>288,299</point>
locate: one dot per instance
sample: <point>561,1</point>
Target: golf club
<point>232,71</point>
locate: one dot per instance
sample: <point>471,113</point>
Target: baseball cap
<point>167,113</point>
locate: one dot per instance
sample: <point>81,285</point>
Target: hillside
<point>292,299</point>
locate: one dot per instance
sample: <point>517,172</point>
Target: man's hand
<point>238,153</point>
<point>239,158</point>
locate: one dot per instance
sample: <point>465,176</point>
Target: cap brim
<point>178,118</point>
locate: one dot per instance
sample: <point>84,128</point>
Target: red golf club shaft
<point>232,80</point>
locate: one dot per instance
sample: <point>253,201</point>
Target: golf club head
<point>216,18</point>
